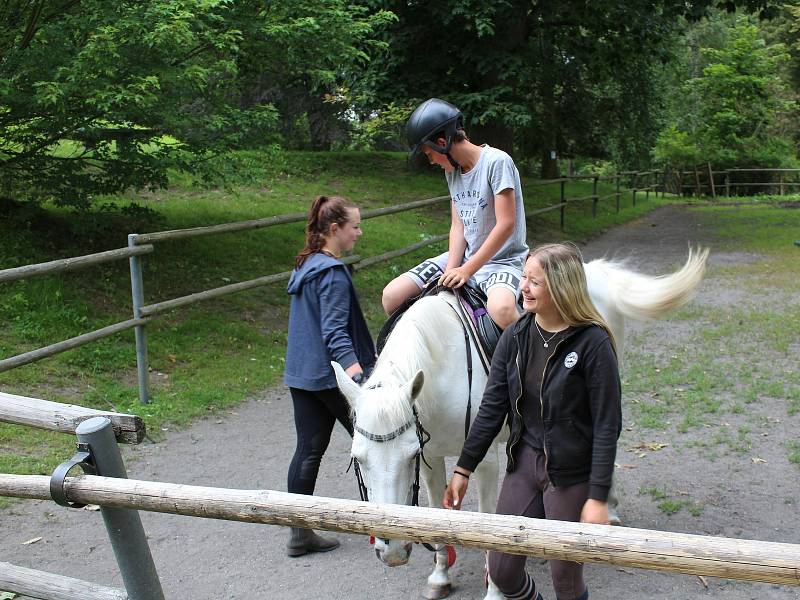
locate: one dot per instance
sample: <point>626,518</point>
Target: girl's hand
<point>454,492</point>
<point>595,511</point>
<point>354,369</point>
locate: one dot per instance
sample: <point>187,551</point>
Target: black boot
<point>303,541</point>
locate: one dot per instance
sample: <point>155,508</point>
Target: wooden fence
<point>64,418</point>
<point>635,182</point>
<point>703,180</point>
<point>749,560</point>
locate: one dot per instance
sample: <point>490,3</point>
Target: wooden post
<point>563,202</point>
<point>634,185</point>
<point>617,180</point>
<point>781,180</point>
<point>594,197</point>
<point>698,191</point>
<point>749,560</point>
<point>711,181</point>
<point>728,183</point>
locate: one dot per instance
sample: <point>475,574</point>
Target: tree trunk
<point>323,123</point>
<point>495,134</point>
<point>549,126</point>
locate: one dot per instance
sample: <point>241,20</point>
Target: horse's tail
<point>641,296</point>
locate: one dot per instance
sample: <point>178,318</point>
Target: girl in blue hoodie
<point>325,324</point>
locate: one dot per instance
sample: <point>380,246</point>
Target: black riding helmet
<point>430,118</point>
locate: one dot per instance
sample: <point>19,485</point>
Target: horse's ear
<point>416,385</point>
<point>348,387</point>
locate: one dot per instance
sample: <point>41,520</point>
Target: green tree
<point>98,96</point>
<point>574,77</point>
<point>297,55</point>
<point>737,103</point>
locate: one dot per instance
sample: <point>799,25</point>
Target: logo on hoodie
<point>571,360</point>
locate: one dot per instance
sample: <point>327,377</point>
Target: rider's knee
<point>396,292</point>
<point>503,310</point>
<point>388,301</point>
<point>392,297</point>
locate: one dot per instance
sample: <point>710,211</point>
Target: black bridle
<point>422,436</point>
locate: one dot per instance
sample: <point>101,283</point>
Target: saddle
<point>473,303</point>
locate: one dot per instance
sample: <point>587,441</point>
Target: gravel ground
<point>250,447</point>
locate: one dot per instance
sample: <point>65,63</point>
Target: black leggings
<point>314,416</point>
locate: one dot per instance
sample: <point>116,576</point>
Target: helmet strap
<point>444,150</point>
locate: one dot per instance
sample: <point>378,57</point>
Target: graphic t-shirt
<point>473,195</point>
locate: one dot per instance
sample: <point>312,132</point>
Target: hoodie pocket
<point>567,447</point>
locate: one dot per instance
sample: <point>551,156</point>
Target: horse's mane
<point>417,343</point>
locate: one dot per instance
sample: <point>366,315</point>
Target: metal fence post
<point>123,525</point>
<point>137,292</point>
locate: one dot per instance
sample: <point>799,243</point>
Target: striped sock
<point>526,592</point>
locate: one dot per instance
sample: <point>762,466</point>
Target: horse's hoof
<point>436,592</point>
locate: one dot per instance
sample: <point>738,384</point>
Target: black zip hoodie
<point>581,406</point>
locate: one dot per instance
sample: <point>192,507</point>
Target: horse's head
<point>386,445</point>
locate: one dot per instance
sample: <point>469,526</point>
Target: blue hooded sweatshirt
<point>325,324</point>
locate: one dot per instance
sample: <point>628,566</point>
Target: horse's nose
<point>395,554</point>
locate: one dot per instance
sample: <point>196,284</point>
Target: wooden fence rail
<point>704,180</point>
<point>71,264</point>
<point>56,416</point>
<point>40,584</point>
<point>75,342</point>
<point>140,244</point>
<point>749,560</point>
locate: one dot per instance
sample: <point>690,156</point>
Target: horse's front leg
<point>439,582</point>
<point>486,474</point>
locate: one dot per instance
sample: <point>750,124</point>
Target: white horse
<point>421,379</point>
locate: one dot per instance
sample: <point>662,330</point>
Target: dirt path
<point>250,447</point>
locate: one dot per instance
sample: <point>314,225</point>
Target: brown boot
<point>303,541</point>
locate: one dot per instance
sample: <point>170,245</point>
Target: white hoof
<point>436,592</point>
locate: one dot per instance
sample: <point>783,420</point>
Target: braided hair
<point>325,211</point>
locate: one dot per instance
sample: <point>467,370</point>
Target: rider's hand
<point>456,277</point>
<point>454,492</point>
<point>595,511</point>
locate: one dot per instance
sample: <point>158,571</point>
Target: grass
<point>669,505</point>
<point>794,453</point>
<point>210,355</point>
<point>733,358</point>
